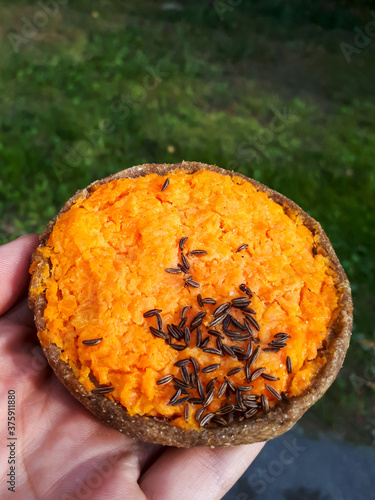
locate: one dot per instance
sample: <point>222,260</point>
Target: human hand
<point>62,451</point>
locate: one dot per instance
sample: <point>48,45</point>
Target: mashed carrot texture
<point>109,254</point>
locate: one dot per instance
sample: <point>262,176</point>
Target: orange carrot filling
<point>109,254</point>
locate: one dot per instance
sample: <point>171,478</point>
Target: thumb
<point>14,264</point>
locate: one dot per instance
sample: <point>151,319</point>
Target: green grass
<point>221,87</point>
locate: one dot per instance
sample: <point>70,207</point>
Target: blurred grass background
<point>262,88</point>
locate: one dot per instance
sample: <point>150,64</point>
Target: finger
<point>121,471</point>
<point>19,314</point>
<point>14,264</point>
<point>199,473</point>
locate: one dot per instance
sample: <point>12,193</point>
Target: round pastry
<point>188,305</point>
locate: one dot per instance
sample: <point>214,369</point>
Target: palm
<point>64,452</point>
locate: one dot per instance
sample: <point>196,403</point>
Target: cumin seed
<point>198,252</point>
<point>221,309</point>
<point>195,364</point>
<point>210,384</point>
<point>285,397</point>
<point>206,419</point>
<point>246,290</point>
<point>273,391</point>
<point>164,380</point>
<point>250,413</point>
<point>92,342</point>
<point>229,351</point>
<point>182,362</point>
<point>159,322</point>
<point>182,323</point>
<point>199,414</point>
<point>196,401</point>
<point>219,420</point>
<point>181,400</point>
<point>223,386</point>
<point>102,390</point>
<point>182,242</point>
<point>244,388</point>
<point>234,371</point>
<point>185,261</point>
<point>253,321</point>
<point>237,324</point>
<point>289,365</point>
<point>187,336</point>
<point>282,335</point>
<point>175,397</point>
<point>151,312</point>
<point>183,269</point>
<point>158,333</point>
<point>230,384</point>
<point>240,301</point>
<point>210,368</point>
<point>184,310</point>
<point>200,389</point>
<point>192,283</point>
<point>211,350</point>
<point>172,270</point>
<point>209,397</point>
<point>186,413</point>
<point>269,377</point>
<point>264,403</point>
<point>209,300</point>
<point>255,355</point>
<point>185,375</point>
<point>217,320</point>
<point>227,408</point>
<point>216,333</point>
<point>204,342</point>
<point>242,247</point>
<point>165,185</point>
<point>257,373</point>
<point>178,347</point>
<point>197,320</point>
<point>199,299</point>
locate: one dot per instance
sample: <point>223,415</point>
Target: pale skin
<point>62,451</point>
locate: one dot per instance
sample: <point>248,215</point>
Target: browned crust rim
<point>280,418</point>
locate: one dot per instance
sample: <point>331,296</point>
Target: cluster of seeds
<point>225,332</point>
<point>184,266</point>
